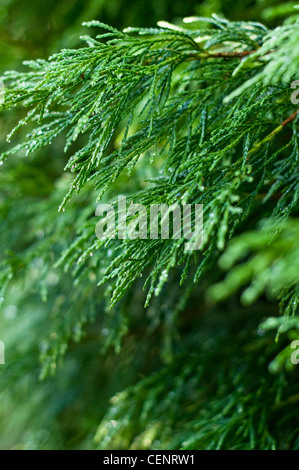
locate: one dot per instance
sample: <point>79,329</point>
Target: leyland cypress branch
<point>273,134</point>
<point>145,114</point>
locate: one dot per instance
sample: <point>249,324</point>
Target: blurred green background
<point>64,410</point>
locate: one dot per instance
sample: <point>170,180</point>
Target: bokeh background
<point>52,403</point>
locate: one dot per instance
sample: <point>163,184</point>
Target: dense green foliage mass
<point>140,344</point>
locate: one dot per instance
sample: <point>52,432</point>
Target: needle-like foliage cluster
<point>196,114</point>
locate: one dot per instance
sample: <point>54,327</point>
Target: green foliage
<point>163,82</point>
<point>196,113</point>
<point>270,263</point>
<point>211,397</point>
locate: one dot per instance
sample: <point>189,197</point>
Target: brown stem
<point>223,55</point>
<point>290,401</point>
<point>273,133</point>
<point>290,118</point>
